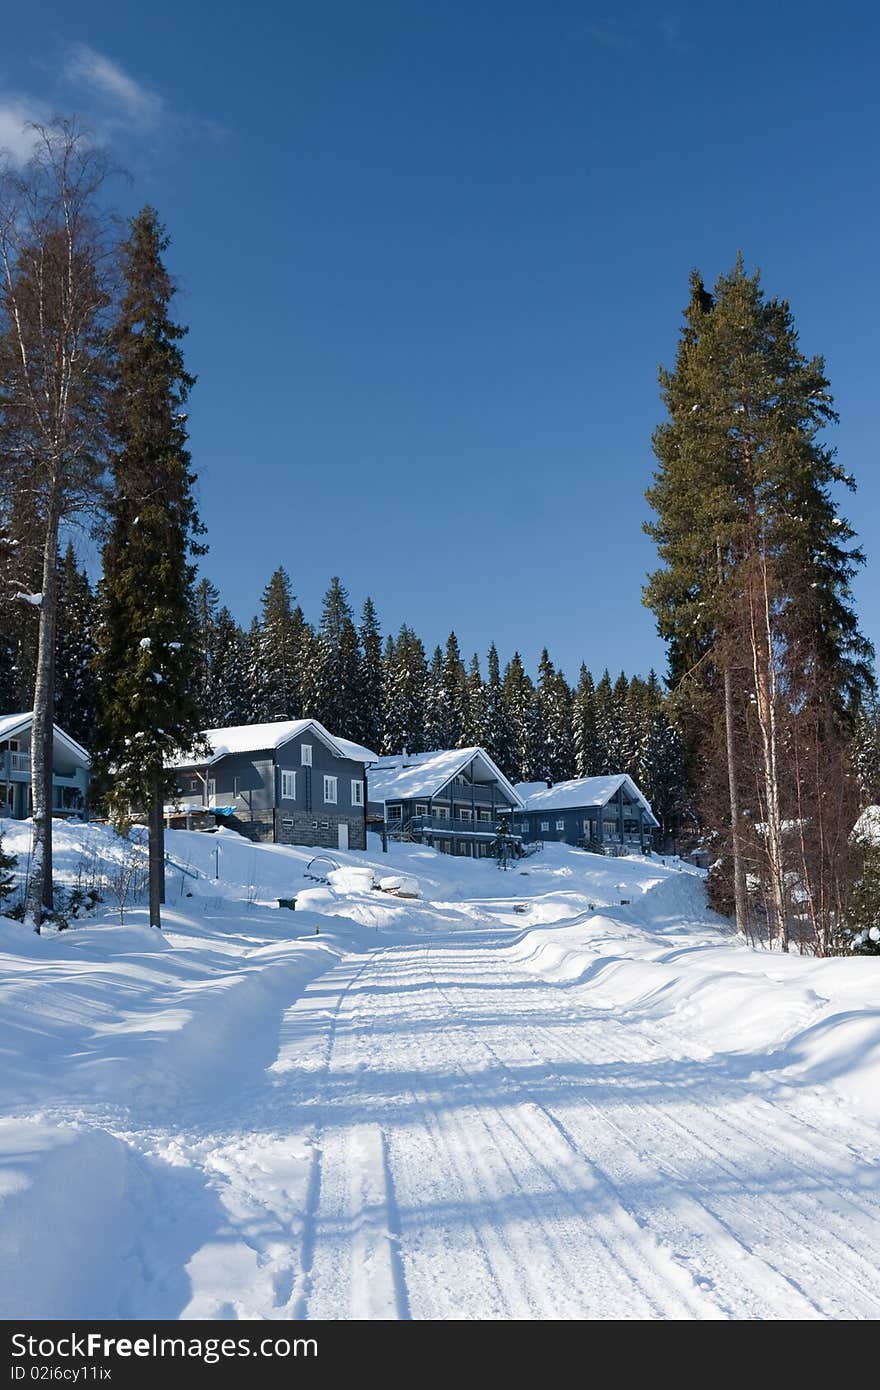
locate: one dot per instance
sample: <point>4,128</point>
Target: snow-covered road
<point>567,1105</point>
<point>487,1145</point>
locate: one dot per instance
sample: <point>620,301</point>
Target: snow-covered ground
<point>561,1091</point>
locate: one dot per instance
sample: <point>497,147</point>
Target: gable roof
<point>588,791</point>
<point>12,724</point>
<point>405,776</point>
<point>259,738</point>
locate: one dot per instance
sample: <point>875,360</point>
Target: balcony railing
<point>441,825</point>
<point>19,762</point>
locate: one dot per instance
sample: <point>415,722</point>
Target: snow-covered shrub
<point>861,934</point>
<point>8,863</point>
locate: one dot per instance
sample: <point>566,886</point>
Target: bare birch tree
<point>56,273</point>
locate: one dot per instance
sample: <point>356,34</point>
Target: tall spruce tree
<point>584,736</point>
<point>339,655</point>
<point>497,739</point>
<point>405,683</point>
<point>226,699</point>
<point>206,602</point>
<point>76,691</point>
<point>476,727</point>
<point>370,716</point>
<point>522,717</point>
<point>556,756</point>
<point>753,596</point>
<point>147,639</point>
<point>277,656</point>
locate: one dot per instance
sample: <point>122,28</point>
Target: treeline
<point>384,692</point>
<point>389,694</point>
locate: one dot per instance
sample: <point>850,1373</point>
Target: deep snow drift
<point>562,1091</point>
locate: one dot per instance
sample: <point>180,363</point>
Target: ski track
<point>445,1134</point>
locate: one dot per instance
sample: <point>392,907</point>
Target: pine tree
<point>522,718</point>
<point>587,760</point>
<point>405,683</point>
<point>371,715</point>
<point>341,695</point>
<point>436,716</point>
<point>205,606</point>
<point>497,739</point>
<point>475,731</point>
<point>753,595</point>
<point>277,657</point>
<point>148,641</point>
<point>76,690</point>
<point>556,755</point>
<point>606,726</point>
<point>20,572</point>
<point>226,701</point>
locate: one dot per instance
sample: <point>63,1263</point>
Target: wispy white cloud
<point>125,97</point>
<point>16,114</point>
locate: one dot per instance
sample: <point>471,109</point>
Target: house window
<point>421,808</point>
<point>288,786</point>
<point>545,825</point>
<point>306,755</point>
<point>193,784</point>
<point>465,813</point>
<point>395,812</point>
<point>212,789</point>
<point>441,812</point>
<point>330,789</point>
<point>357,792</point>
<point>560,825</point>
<point>484,815</point>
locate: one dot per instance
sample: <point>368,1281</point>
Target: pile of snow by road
<point>434,1089</point>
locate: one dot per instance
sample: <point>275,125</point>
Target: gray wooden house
<point>71,766</point>
<point>290,782</point>
<point>451,799</point>
<point>597,813</point>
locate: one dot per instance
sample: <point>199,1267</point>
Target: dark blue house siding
<point>252,784</point>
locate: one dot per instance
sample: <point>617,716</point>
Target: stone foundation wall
<point>259,827</point>
<point>320,831</point>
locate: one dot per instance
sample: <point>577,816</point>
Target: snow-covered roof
<point>259,738</point>
<point>527,789</point>
<point>12,724</point>
<point>407,775</point>
<point>356,751</point>
<point>587,791</point>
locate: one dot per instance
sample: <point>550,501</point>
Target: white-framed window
<point>288,785</point>
<point>193,784</point>
<point>357,792</point>
<point>330,789</point>
<point>560,825</point>
<point>545,825</point>
<point>465,813</point>
<point>484,815</point>
<point>587,824</point>
<point>306,755</point>
<point>441,812</point>
<point>421,808</point>
<point>395,812</point>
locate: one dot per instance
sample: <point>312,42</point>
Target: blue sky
<point>431,255</point>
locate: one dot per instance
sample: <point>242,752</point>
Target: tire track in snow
<point>794,1215</point>
<point>631,1251</point>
